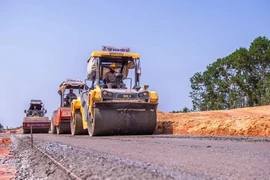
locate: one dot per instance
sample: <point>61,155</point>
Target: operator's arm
<point>74,95</point>
<point>105,80</point>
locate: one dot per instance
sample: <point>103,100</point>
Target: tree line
<point>238,80</point>
<point>11,128</point>
<point>1,127</point>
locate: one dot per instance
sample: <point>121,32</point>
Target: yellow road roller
<point>115,103</point>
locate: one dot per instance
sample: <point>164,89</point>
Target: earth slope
<point>253,121</point>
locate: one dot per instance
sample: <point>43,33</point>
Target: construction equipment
<point>115,110</point>
<point>35,117</point>
<point>60,120</point>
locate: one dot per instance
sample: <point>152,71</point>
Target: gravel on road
<point>144,157</point>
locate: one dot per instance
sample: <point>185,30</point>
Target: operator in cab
<point>110,77</point>
<point>34,111</point>
<point>70,96</point>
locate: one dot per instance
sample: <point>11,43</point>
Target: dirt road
<point>147,157</point>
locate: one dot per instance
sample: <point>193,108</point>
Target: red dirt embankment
<point>13,131</point>
<point>6,172</point>
<point>254,121</point>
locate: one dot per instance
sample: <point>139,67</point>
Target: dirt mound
<point>20,130</point>
<point>253,121</point>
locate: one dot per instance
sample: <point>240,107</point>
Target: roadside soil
<point>13,131</point>
<point>7,170</point>
<point>254,121</point>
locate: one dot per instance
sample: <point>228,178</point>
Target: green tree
<point>240,79</point>
<point>1,127</point>
<point>184,110</point>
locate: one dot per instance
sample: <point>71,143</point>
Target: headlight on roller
<point>110,94</point>
<point>106,93</point>
<point>143,94</point>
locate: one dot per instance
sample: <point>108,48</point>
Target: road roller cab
<point>35,117</point>
<point>114,108</point>
<point>60,120</point>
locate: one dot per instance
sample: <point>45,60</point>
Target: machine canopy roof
<point>35,101</point>
<point>122,57</point>
<point>71,83</point>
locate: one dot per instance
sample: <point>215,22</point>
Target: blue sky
<point>44,42</point>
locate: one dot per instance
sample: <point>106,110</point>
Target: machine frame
<point>60,120</point>
<point>135,99</point>
<point>39,123</point>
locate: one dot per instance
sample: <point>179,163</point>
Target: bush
<point>184,110</point>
